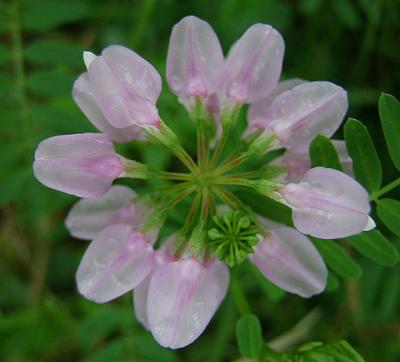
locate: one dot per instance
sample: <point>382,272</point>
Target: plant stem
<point>389,187</point>
<point>176,200</point>
<point>297,334</point>
<point>175,176</point>
<point>231,164</point>
<point>19,69</point>
<point>227,180</point>
<point>239,298</point>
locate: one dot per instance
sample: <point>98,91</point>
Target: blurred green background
<point>354,43</point>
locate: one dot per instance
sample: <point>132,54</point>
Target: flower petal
<point>254,64</point>
<point>121,105</point>
<point>84,165</point>
<point>327,204</point>
<point>195,60</point>
<point>256,114</point>
<point>289,259</point>
<point>183,296</point>
<point>298,115</point>
<point>117,260</point>
<point>84,98</point>
<point>90,216</point>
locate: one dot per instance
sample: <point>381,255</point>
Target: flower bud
<point>182,298</point>
<point>195,60</point>
<point>84,165</point>
<point>124,87</point>
<point>254,64</point>
<point>116,261</point>
<point>328,204</point>
<point>290,260</point>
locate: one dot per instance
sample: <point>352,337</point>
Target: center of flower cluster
<point>233,236</point>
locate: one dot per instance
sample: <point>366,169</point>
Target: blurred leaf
<point>310,7</point>
<point>373,245</point>
<point>347,13</point>
<point>271,290</point>
<point>148,350</point>
<point>332,283</point>
<point>47,14</point>
<point>111,351</point>
<point>366,164</point>
<point>5,54</point>
<point>389,112</point>
<point>56,120</point>
<point>14,182</point>
<point>323,153</point>
<point>102,322</point>
<point>337,259</point>
<point>50,83</point>
<point>249,336</point>
<point>331,352</point>
<point>391,291</point>
<point>389,212</point>
<point>54,52</point>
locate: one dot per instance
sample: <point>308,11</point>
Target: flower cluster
<point>179,285</point>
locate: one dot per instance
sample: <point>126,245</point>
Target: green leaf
<point>249,336</point>
<point>373,245</point>
<point>366,164</point>
<point>51,83</point>
<point>54,52</point>
<point>4,54</point>
<point>332,283</point>
<point>47,14</point>
<point>347,13</point>
<point>323,153</point>
<point>389,212</point>
<point>389,112</point>
<point>271,290</point>
<point>337,259</point>
<point>339,351</point>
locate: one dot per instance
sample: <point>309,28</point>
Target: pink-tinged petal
<point>344,157</point>
<point>140,293</point>
<point>289,259</point>
<point>83,97</point>
<point>117,260</point>
<point>296,164</point>
<point>254,64</point>
<point>182,298</point>
<point>84,165</point>
<point>298,115</point>
<point>90,216</point>
<point>121,105</point>
<point>140,301</point>
<point>256,114</point>
<point>327,204</point>
<point>134,72</point>
<point>195,60</point>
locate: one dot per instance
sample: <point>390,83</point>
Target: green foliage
<point>373,245</point>
<point>389,212</point>
<point>318,352</point>
<point>389,112</point>
<point>249,336</point>
<point>323,153</point>
<point>337,259</point>
<point>42,316</point>
<point>366,164</point>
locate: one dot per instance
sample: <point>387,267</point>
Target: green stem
<point>19,68</point>
<point>205,205</point>
<point>175,176</point>
<point>239,298</point>
<point>231,164</point>
<point>226,180</point>
<point>219,148</point>
<point>176,200</point>
<point>389,187</point>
